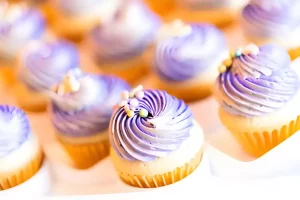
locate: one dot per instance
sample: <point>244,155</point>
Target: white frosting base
<point>183,155</point>
<point>21,156</point>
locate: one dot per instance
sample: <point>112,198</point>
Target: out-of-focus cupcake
<point>19,24</point>
<point>73,19</point>
<point>161,7</point>
<point>42,64</point>
<point>80,112</point>
<point>218,12</point>
<point>45,7</point>
<point>259,97</point>
<point>117,47</point>
<point>186,60</point>
<point>275,21</point>
<point>20,153</point>
<point>155,141</point>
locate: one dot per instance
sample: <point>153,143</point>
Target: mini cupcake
<point>209,11</point>
<point>73,19</point>
<point>187,58</point>
<point>275,21</point>
<point>18,24</point>
<point>41,65</point>
<point>259,97</point>
<point>155,141</point>
<point>20,153</point>
<point>117,47</point>
<point>80,112</point>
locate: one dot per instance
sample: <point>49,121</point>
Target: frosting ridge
<point>257,83</point>
<point>154,127</point>
<point>126,35</point>
<point>270,18</point>
<point>184,57</point>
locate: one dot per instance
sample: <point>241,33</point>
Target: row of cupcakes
<point>118,47</point>
<point>151,135</point>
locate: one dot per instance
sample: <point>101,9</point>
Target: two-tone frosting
<point>149,124</point>
<point>127,35</point>
<point>257,81</point>
<point>83,103</point>
<point>271,18</point>
<point>184,56</point>
<point>18,25</point>
<point>44,63</point>
<point>14,129</point>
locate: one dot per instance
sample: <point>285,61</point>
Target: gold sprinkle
<point>222,68</point>
<point>130,113</point>
<point>227,62</point>
<point>232,54</point>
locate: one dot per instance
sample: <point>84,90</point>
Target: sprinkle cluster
<point>130,101</point>
<point>68,85</point>
<point>250,49</point>
<point>174,29</point>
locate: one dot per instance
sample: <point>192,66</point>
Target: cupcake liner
<point>86,155</point>
<point>29,100</point>
<point>131,70</point>
<point>7,75</point>
<point>160,180</point>
<point>294,53</point>
<point>24,173</point>
<point>182,91</point>
<point>259,143</point>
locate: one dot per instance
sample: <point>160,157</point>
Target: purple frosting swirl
<point>185,57</point>
<point>167,125</point>
<point>127,35</point>
<point>259,84</point>
<point>104,92</point>
<point>271,18</point>
<point>44,64</point>
<point>14,131</point>
<point>25,24</point>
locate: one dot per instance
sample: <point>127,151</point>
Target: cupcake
<point>117,47</point>
<point>20,153</point>
<point>73,19</point>
<point>258,96</point>
<point>42,64</point>
<point>80,111</point>
<point>18,24</point>
<point>186,60</point>
<point>209,11</point>
<point>154,139</point>
<point>272,21</point>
